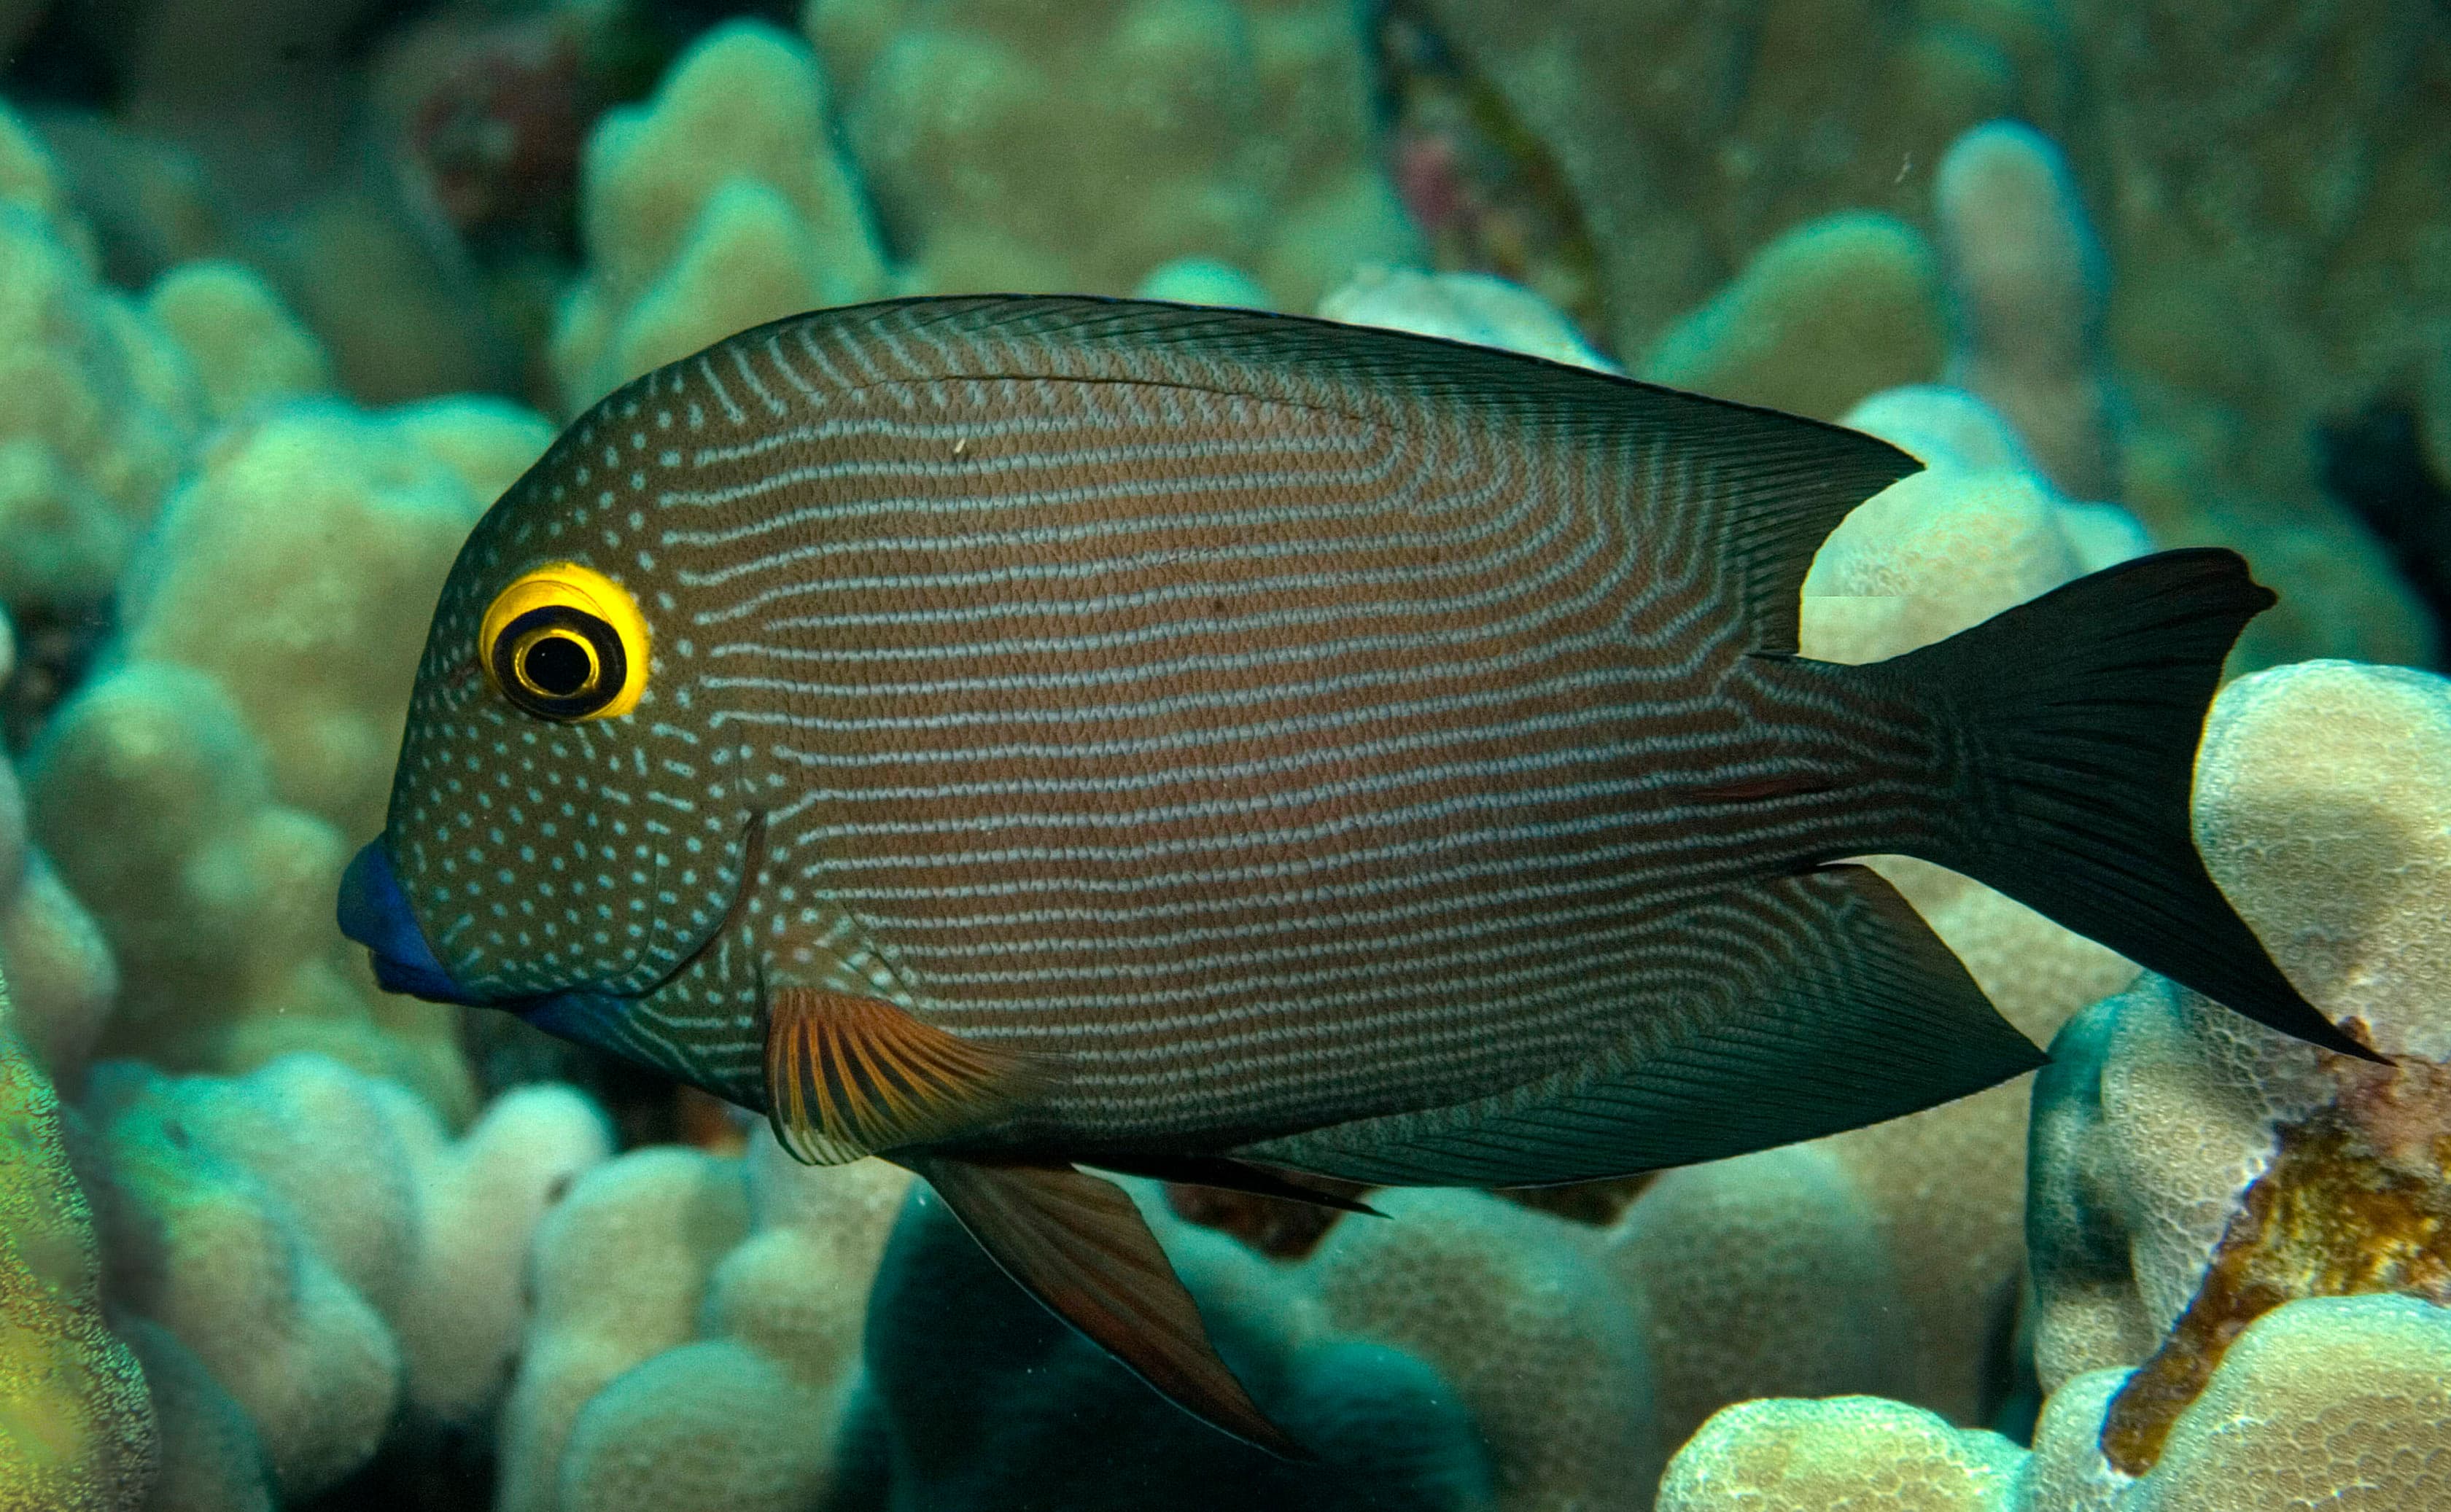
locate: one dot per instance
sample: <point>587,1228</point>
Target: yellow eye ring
<point>564,642</point>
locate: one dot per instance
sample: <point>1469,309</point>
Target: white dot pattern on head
<point>543,857</point>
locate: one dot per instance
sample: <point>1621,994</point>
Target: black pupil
<point>556,666</point>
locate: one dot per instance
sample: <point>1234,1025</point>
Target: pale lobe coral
<point>1819,318</point>
<point>1461,307</point>
<point>60,973</point>
<point>243,343</point>
<point>202,794</point>
<point>620,1272</point>
<point>2338,1402</point>
<point>320,1254</point>
<point>1766,1275</point>
<point>2321,805</point>
<point>97,403</point>
<point>2027,284</point>
<point>1840,1455</point>
<point>717,206</point>
<point>1238,129</point>
<point>744,1408</point>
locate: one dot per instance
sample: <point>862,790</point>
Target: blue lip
<point>374,912</point>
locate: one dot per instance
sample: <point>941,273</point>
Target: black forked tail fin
<point>2074,721</point>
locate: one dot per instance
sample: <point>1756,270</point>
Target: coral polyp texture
<point>77,1429</point>
<point>2240,1270</point>
<point>2192,1173</point>
<point>2334,1401</point>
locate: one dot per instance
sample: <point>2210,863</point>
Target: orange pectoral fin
<point>1076,1243</point>
<point>848,1077</point>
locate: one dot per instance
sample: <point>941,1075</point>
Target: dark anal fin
<point>848,1077</point>
<point>1778,1012</point>
<point>1226,1174</point>
<point>1076,1243</point>
<point>2078,716</point>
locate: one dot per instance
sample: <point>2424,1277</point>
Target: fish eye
<point>564,642</point>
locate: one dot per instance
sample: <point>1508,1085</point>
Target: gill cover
<point>564,642</point>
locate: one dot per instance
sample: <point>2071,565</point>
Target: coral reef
<point>77,1431</point>
<point>2237,1240</point>
<point>60,973</point>
<point>1942,550</point>
<point>993,134</point>
<point>1787,1456</point>
<point>1825,315</point>
<point>245,346</point>
<point>2338,1402</point>
<point>317,1255</point>
<point>100,406</point>
<point>200,796</point>
<point>1466,1353</point>
<point>2028,282</point>
<point>1460,307</point>
<point>697,1334</point>
<point>2122,324</point>
<point>1770,1274</point>
<point>718,205</point>
<point>1693,136</point>
<point>2192,1173</point>
<point>2271,237</point>
<point>247,133</point>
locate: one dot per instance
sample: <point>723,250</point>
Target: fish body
<point>1005,733</point>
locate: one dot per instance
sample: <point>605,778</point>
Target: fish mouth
<point>374,912</point>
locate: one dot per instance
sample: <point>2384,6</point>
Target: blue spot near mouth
<point>374,912</point>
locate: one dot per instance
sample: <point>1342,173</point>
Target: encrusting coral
<point>61,975</point>
<point>202,794</point>
<point>77,1431</point>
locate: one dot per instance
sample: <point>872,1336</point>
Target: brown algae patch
<point>2357,1200</point>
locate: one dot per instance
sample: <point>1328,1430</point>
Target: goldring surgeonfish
<point>1014,735</point>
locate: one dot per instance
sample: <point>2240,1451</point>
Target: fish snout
<point>374,912</point>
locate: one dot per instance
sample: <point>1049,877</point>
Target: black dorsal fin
<point>1790,1009</point>
<point>1758,489</point>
